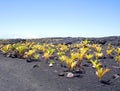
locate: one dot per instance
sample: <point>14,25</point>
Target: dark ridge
<point>114,40</point>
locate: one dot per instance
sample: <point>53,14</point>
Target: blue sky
<point>59,18</point>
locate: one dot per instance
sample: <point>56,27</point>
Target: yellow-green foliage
<point>109,51</point>
<point>62,58</point>
<point>117,50</point>
<point>98,49</point>
<point>29,53</point>
<point>62,48</point>
<point>85,42</point>
<point>96,64</point>
<point>89,56</point>
<point>39,47</point>
<point>117,58</point>
<point>36,56</point>
<point>101,72</point>
<point>72,55</point>
<point>21,49</point>
<point>99,55</point>
<point>60,53</point>
<point>6,48</point>
<point>70,62</point>
<point>50,51</point>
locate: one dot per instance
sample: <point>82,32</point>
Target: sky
<point>59,18</point>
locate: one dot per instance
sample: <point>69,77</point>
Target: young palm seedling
<point>5,49</point>
<point>89,56</point>
<point>80,57</point>
<point>48,54</point>
<point>62,58</point>
<point>36,56</point>
<point>50,50</point>
<point>96,64</point>
<point>85,42</point>
<point>29,53</point>
<point>74,55</point>
<point>109,46</point>
<point>118,50</point>
<point>60,53</point>
<point>95,45</point>
<point>117,58</point>
<point>21,49</point>
<point>101,72</point>
<point>98,49</point>
<point>39,47</point>
<point>99,55</point>
<point>71,63</point>
<point>109,51</point>
<point>14,46</point>
<point>62,48</point>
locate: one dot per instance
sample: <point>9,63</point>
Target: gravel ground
<point>19,75</point>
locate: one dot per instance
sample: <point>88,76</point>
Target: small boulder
<point>70,75</point>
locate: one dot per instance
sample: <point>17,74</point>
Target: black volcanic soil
<point>19,75</point>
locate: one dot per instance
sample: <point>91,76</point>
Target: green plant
<point>21,49</point>
<point>99,55</point>
<point>109,51</point>
<point>86,41</point>
<point>117,50</point>
<point>36,56</point>
<point>96,64</point>
<point>14,46</point>
<point>29,53</point>
<point>101,72</point>
<point>70,62</point>
<point>98,49</point>
<point>5,49</point>
<point>50,51</point>
<point>109,46</point>
<point>80,57</point>
<point>46,55</point>
<point>117,58</point>
<point>89,56</point>
<point>62,48</point>
<point>82,53</point>
<point>62,58</point>
<point>60,53</point>
<point>40,47</point>
<point>74,55</point>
